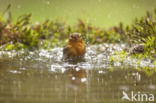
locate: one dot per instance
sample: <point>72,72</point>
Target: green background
<point>103,13</point>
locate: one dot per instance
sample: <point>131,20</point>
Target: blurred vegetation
<point>143,32</point>
<point>23,34</point>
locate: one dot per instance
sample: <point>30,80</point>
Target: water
<point>42,77</point>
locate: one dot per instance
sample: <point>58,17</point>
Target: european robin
<point>75,47</point>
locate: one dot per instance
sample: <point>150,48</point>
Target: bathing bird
<point>75,49</point>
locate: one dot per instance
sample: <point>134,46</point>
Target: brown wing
<point>66,53</point>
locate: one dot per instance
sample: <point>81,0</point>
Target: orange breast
<point>77,49</point>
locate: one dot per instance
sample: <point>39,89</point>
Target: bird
<point>75,49</point>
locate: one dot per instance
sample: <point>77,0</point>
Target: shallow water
<point>42,77</point>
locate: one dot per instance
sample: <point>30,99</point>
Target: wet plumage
<point>75,47</point>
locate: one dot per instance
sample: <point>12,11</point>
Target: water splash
<point>97,56</point>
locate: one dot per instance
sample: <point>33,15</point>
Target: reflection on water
<point>41,77</point>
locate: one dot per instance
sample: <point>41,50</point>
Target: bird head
<point>75,37</point>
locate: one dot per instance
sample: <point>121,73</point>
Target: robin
<point>75,47</point>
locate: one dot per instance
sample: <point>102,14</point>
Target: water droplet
<point>83,79</point>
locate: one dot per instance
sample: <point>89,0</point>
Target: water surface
<point>42,77</point>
